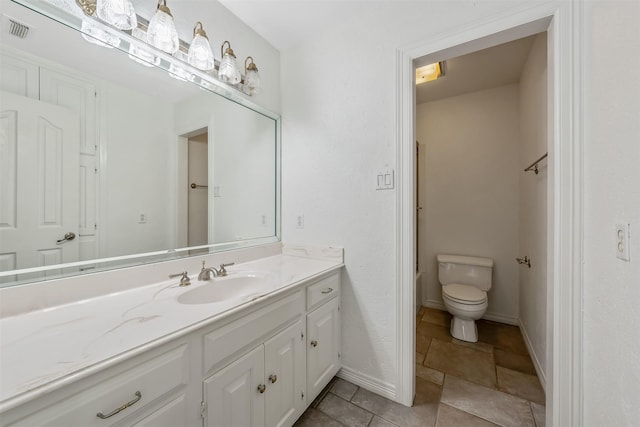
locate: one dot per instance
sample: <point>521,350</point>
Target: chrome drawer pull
<point>120,409</point>
<point>327,290</point>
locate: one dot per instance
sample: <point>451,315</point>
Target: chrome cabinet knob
<point>261,388</point>
<point>314,343</point>
<point>273,378</point>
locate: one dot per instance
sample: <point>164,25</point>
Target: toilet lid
<point>464,293</point>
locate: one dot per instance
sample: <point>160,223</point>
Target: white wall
<point>533,203</point>
<point>469,189</point>
<point>339,129</point>
<point>138,157</point>
<point>612,195</point>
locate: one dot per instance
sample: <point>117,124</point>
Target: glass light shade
<point>252,82</point>
<point>119,13</point>
<point>139,53</point>
<point>229,72</point>
<point>96,35</point>
<point>178,72</point>
<point>200,54</point>
<point>162,31</point>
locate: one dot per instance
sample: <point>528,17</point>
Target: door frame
<point>563,22</point>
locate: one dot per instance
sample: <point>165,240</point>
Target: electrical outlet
<point>299,221</point>
<point>622,242</point>
<point>142,219</point>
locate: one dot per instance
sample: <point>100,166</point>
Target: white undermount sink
<point>245,286</point>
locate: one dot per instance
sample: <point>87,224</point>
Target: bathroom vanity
<point>252,348</point>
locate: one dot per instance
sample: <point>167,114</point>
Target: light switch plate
<point>385,179</point>
<point>622,242</point>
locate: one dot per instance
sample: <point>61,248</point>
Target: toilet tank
<point>465,270</point>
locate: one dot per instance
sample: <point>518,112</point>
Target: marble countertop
<point>45,349</point>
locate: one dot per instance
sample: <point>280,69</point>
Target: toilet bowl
<point>465,281</point>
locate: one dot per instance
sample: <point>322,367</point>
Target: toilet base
<point>464,330</point>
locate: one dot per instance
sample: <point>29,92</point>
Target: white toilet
<point>465,281</point>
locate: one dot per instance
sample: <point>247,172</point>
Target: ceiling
<point>496,66</point>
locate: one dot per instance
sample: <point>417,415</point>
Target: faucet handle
<point>222,271</point>
<point>184,280</point>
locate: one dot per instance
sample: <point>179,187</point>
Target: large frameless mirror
<point>106,162</point>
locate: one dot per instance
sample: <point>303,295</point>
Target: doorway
<point>564,25</point>
<point>198,177</point>
<point>480,125</point>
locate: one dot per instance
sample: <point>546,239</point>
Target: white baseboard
<point>369,383</point>
<point>495,317</point>
<point>534,357</point>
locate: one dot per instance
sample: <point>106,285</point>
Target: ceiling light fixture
<point>429,72</point>
<point>200,54</point>
<point>228,71</point>
<point>162,31</point>
<point>251,84</point>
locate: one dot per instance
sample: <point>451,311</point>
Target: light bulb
<point>200,54</point>
<point>229,72</point>
<point>119,13</point>
<point>251,78</point>
<point>162,31</point>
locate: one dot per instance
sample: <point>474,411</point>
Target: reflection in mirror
<point>107,163</point>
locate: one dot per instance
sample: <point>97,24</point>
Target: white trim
<point>367,382</point>
<point>564,399</point>
<point>534,357</point>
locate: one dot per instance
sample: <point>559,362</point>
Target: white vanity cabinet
<point>266,385</point>
<point>256,366</point>
<point>324,338</point>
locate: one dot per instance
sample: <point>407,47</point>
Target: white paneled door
<point>39,185</point>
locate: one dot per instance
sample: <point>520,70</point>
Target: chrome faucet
<point>205,273</point>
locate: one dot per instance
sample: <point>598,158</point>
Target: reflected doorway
<point>198,177</point>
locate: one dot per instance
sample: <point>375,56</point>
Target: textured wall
<point>612,195</point>
<point>469,189</point>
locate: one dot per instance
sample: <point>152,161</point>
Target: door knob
<point>67,238</point>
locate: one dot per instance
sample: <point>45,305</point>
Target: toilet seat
<point>464,294</point>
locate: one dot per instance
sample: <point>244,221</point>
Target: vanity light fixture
<point>228,71</point>
<point>200,54</point>
<point>429,72</point>
<point>251,84</point>
<point>119,13</point>
<point>162,31</point>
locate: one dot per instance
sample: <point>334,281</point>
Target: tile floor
<point>458,384</point>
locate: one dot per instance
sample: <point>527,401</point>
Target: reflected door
<point>39,188</point>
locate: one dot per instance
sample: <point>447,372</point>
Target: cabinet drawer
<point>322,291</point>
<point>152,378</point>
<point>249,330</point>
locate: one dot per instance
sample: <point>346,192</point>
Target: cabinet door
<point>284,362</point>
<point>323,346</point>
<point>233,395</point>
